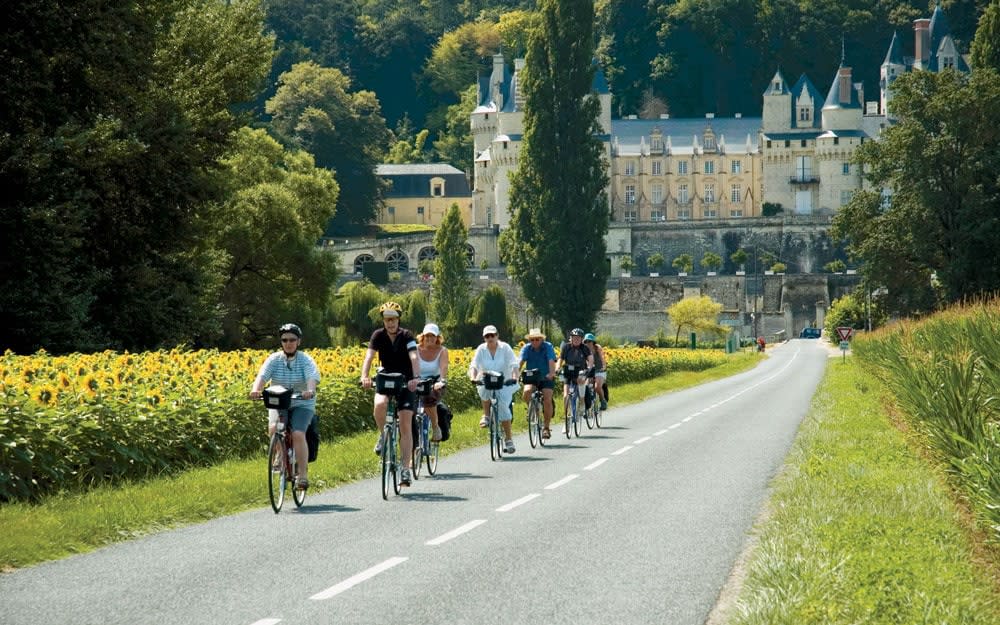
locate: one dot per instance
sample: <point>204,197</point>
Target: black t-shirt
<point>576,356</point>
<point>394,355</point>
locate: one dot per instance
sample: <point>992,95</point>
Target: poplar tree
<point>558,202</point>
<point>450,296</point>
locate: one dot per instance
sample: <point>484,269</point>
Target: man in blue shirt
<point>539,354</point>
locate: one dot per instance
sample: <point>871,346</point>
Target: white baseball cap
<point>490,330</point>
<point>432,328</point>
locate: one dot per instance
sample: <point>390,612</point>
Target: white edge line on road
<point>507,507</point>
<point>686,419</point>
<point>660,433</point>
<point>350,582</point>
<point>595,464</point>
<point>676,425</point>
<point>642,440</point>
<point>267,621</point>
<point>619,452</point>
<point>458,531</point>
<point>568,478</point>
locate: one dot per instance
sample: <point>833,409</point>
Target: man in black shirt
<point>397,352</point>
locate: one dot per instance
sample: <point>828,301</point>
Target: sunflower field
<point>72,421</point>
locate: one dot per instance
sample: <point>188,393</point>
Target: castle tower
<point>892,67</point>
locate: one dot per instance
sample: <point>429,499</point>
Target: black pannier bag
<point>312,439</point>
<point>444,420</point>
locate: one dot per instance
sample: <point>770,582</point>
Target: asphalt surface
<point>638,522</point>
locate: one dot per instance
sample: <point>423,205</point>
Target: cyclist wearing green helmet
<point>601,366</point>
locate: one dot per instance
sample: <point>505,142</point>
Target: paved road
<point>639,522</point>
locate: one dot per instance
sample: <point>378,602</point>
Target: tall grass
<point>944,372</point>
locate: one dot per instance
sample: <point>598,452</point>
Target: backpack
<point>312,440</point>
<point>444,420</point>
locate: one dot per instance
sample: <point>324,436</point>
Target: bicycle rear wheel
<point>298,494</point>
<point>534,434</point>
<point>588,414</point>
<point>597,414</point>
<point>276,475</point>
<point>432,458</point>
<point>577,410</point>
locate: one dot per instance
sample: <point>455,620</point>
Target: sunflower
<point>43,395</point>
<point>90,385</point>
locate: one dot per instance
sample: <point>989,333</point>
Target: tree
<point>561,270</point>
<point>835,266</point>
<point>938,168</point>
<point>683,263</point>
<point>268,228</point>
<point>490,308</point>
<point>404,151</point>
<point>460,55</point>
<point>451,287</point>
<point>986,45</point>
<point>114,118</point>
<point>314,110</point>
<point>655,262</point>
<point>454,143</point>
<point>353,305</point>
<point>711,261</point>
<point>697,313</point>
<point>626,263</point>
<point>739,257</point>
<point>779,267</point>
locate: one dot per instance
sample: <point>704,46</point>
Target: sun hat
<point>431,328</point>
<point>534,333</point>
<point>490,330</point>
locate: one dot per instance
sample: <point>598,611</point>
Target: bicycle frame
<point>390,451</point>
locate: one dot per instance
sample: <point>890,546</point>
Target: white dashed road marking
<point>595,464</point>
<point>565,480</point>
<point>510,506</point>
<point>619,452</point>
<point>350,582</point>
<point>458,531</point>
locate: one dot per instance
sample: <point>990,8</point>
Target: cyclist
<point>297,371</point>
<point>432,357</point>
<point>574,352</point>
<point>495,355</point>
<point>397,352</point>
<point>539,354</point>
<point>601,365</point>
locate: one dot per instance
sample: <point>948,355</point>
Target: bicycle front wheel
<point>588,414</point>
<point>577,411</point>
<point>597,414</point>
<point>277,476</point>
<point>534,434</point>
<point>394,465</point>
<point>420,438</point>
<point>298,494</point>
<point>386,465</point>
<point>569,405</point>
<point>494,434</point>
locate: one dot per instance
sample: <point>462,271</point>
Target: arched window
<point>397,261</point>
<point>426,253</point>
<point>359,262</point>
<point>470,256</point>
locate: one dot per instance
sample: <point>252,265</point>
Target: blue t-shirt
<point>538,358</point>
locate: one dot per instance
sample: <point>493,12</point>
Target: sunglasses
<point>489,336</point>
<point>291,340</point>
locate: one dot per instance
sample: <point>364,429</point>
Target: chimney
<point>922,51</point>
<point>844,83</point>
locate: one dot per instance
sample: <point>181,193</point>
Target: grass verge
<point>66,524</point>
<point>859,528</point>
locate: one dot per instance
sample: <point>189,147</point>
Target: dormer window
<point>777,85</point>
<point>656,143</point>
<point>947,62</point>
<point>708,140</point>
<point>805,114</point>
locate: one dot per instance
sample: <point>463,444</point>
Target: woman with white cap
<point>432,356</point>
<point>495,355</point>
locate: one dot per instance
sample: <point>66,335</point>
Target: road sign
<point>845,345</point>
<point>845,333</point>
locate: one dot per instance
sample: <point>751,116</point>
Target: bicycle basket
<point>424,387</point>
<point>277,397</point>
<point>389,383</point>
<point>531,376</point>
<point>492,380</point>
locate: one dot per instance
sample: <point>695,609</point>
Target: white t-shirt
<point>503,360</point>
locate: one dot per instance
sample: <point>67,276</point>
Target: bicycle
<point>389,384</point>
<point>590,413</point>
<point>571,403</point>
<point>493,381</point>
<point>535,425</point>
<point>281,465</point>
<point>423,446</point>
<point>598,411</point>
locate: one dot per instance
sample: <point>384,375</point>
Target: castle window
<point>736,167</point>
<point>682,194</point>
<point>629,168</point>
<point>709,167</point>
<point>657,167</point>
<point>804,143</point>
<point>710,193</point>
<point>847,169</point>
<point>630,194</point>
<point>682,168</point>
<point>736,212</point>
<point>656,196</point>
<point>437,189</point>
<point>656,143</point>
<point>805,114</point>
<point>734,193</point>
<point>420,210</point>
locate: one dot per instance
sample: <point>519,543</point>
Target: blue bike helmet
<point>589,337</point>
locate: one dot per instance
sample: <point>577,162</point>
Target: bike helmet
<point>290,327</point>
<point>576,332</point>
<point>390,309</point>
<point>589,337</point>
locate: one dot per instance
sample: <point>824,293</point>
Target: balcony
<point>804,178</point>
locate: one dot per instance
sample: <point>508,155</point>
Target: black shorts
<point>543,383</point>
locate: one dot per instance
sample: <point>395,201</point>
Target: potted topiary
<point>655,261</point>
<point>711,261</point>
<point>626,264</point>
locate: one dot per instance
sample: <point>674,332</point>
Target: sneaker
<point>404,477</point>
<point>484,422</point>
<point>301,484</point>
<point>509,448</point>
<point>604,404</point>
<point>437,435</point>
<point>378,446</point>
